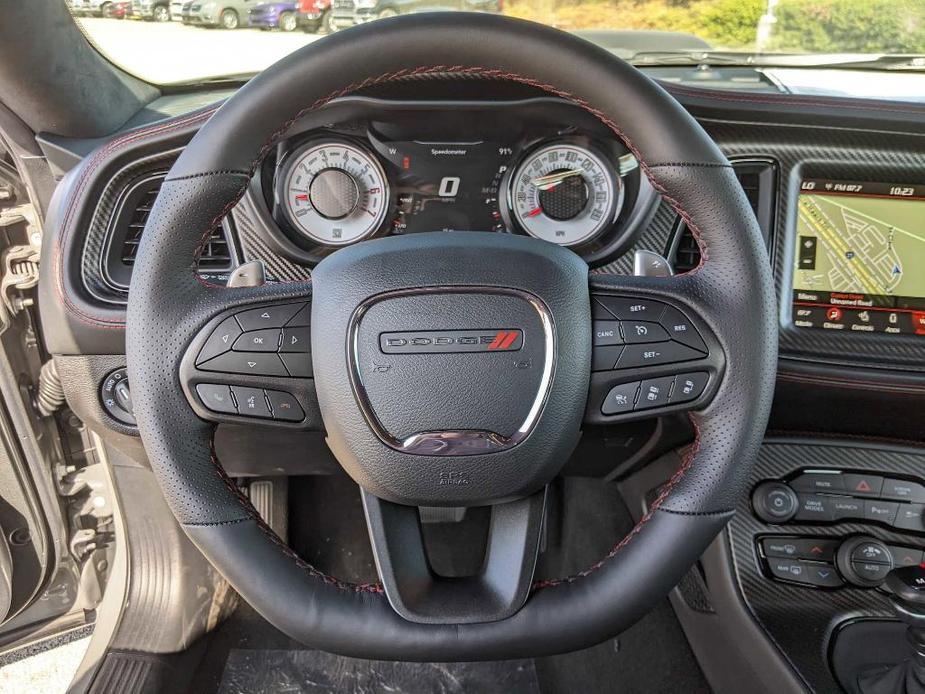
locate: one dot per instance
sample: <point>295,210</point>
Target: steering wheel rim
<point>731,291</point>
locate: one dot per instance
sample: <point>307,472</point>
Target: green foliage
<point>731,23</point>
<point>824,26</point>
<point>850,26</point>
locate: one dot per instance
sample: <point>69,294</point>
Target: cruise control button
<point>901,490</point>
<point>883,511</point>
<point>654,392</point>
<point>814,508</point>
<point>258,341</point>
<point>905,556</point>
<point>299,365</point>
<point>910,517</point>
<point>818,482</point>
<point>606,332</point>
<point>661,353</point>
<point>220,341</point>
<point>620,399</point>
<point>284,406</point>
<point>216,398</point>
<point>302,319</point>
<point>640,331</point>
<point>604,358</point>
<point>688,387</point>
<point>251,402</point>
<point>862,485</point>
<point>681,329</point>
<point>256,363</point>
<point>296,340</point>
<point>267,317</point>
<point>632,309</point>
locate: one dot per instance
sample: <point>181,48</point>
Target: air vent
<point>132,211</point>
<point>758,179</point>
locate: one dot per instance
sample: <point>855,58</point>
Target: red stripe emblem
<point>503,340</point>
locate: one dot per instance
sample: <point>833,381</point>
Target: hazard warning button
<point>862,485</point>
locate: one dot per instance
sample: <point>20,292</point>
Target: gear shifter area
<point>907,584</point>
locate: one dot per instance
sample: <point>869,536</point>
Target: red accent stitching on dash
<point>268,531</point>
<point>490,73</point>
<point>89,169</point>
<point>686,463</point>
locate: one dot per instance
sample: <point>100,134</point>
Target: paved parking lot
<point>172,52</point>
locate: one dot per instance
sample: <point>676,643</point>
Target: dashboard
<point>839,194</point>
<point>537,167</point>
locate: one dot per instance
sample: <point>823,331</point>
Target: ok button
<point>258,341</point>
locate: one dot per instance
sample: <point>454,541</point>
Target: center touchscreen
<point>859,261</point>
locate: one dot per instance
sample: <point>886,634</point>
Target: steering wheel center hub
<point>452,370</point>
<point>449,368</point>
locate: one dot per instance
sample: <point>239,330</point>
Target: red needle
<point>533,213</point>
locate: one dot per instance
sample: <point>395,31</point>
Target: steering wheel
<point>452,368</point>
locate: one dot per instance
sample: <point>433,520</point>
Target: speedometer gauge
<point>565,194</point>
<point>334,193</point>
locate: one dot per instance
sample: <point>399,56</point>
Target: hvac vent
<point>759,180</point>
<point>131,215</point>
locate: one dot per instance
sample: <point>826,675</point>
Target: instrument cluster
<point>344,183</point>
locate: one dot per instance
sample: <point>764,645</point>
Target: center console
<point>812,544</point>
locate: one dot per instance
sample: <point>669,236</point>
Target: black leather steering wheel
<point>465,426</point>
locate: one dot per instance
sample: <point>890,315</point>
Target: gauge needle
<point>534,212</point>
<point>550,181</point>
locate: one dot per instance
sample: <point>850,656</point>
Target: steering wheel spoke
<point>652,353</point>
<point>417,593</point>
<point>252,364</point>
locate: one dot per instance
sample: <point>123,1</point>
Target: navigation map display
<point>859,261</point>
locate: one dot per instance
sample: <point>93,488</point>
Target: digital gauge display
<point>439,186</point>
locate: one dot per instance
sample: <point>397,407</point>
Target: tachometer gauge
<point>334,193</point>
<point>565,194</point>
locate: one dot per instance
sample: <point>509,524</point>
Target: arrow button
<point>296,340</point>
<point>220,340</point>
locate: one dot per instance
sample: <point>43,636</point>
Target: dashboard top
<point>418,148</point>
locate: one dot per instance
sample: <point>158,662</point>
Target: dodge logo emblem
<point>447,341</point>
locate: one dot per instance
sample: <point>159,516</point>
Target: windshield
<point>166,41</point>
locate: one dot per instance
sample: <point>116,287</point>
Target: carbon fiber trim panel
<point>655,237</point>
<point>255,247</point>
<point>809,151</point>
<point>103,216</point>
<point>800,620</point>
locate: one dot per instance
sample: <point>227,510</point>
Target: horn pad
<point>451,368</point>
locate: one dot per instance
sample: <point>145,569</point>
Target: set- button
<point>266,341</point>
<point>250,402</point>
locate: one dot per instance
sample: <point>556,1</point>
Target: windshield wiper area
<point>845,61</point>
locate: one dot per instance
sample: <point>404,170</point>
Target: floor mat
<point>303,672</point>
